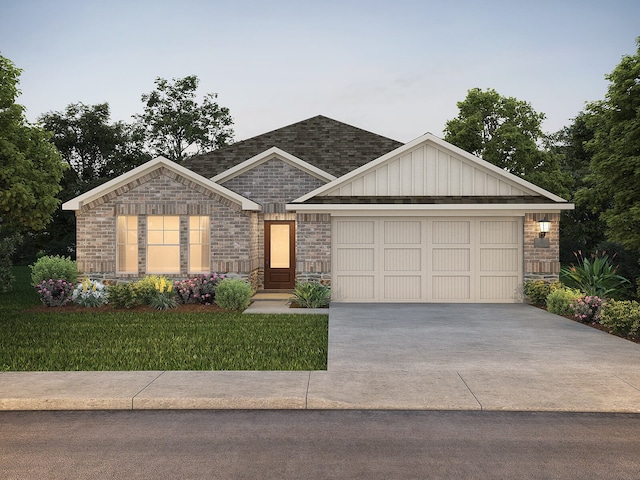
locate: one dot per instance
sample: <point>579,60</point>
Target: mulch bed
<point>597,326</point>
<point>186,308</point>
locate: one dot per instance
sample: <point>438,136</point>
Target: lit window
<point>199,246</point>
<point>163,244</point>
<point>127,244</point>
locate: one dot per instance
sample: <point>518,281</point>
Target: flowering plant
<point>90,293</point>
<point>201,289</point>
<point>587,309</point>
<point>164,297</point>
<point>54,293</point>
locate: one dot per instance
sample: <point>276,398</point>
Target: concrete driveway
<point>461,356</point>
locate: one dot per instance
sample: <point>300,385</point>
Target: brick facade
<point>313,260</point>
<point>273,184</point>
<point>540,262</point>
<point>163,192</point>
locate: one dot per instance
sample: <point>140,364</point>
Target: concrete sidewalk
<point>416,357</point>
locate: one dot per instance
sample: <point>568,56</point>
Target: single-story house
<point>379,220</point>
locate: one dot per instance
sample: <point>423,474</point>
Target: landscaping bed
<point>34,337</point>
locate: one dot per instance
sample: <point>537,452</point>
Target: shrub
<point>7,249</point>
<point>55,293</point>
<point>537,291</point>
<point>147,287</point>
<point>595,277</point>
<point>622,317</point>
<point>233,294</point>
<point>587,309</point>
<point>54,268</point>
<point>90,293</point>
<point>200,289</point>
<point>559,300</point>
<point>164,297</point>
<point>311,295</point>
<point>124,295</point>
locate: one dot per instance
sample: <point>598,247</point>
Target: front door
<point>279,254</point>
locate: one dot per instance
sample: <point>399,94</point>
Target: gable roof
<point>273,152</point>
<point>334,147</point>
<point>433,170</point>
<point>159,162</point>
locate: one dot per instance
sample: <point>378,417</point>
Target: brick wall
<point>163,192</point>
<point>273,184</point>
<point>539,262</point>
<point>313,237</point>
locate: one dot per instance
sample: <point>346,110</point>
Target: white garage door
<point>396,259</point>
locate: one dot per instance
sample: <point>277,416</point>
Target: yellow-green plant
<point>537,291</point>
<point>560,300</point>
<point>164,297</point>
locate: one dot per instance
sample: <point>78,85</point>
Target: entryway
<point>279,254</point>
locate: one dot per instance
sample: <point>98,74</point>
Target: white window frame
<point>166,242</point>
<point>203,242</point>
<point>127,243</point>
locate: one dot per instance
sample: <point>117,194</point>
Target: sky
<point>396,68</point>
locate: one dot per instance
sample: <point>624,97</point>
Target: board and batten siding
<point>427,171</point>
<point>423,259</point>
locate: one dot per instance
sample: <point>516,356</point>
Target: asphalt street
<point>318,445</point>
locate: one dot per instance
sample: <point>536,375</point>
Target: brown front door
<point>279,254</point>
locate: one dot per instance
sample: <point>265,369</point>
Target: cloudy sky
<point>396,68</point>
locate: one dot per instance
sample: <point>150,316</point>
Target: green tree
<point>173,121</point>
<point>95,149</point>
<point>614,182</point>
<point>582,229</point>
<point>30,166</point>
<point>507,132</point>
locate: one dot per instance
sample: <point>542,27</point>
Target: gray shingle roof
<point>335,147</point>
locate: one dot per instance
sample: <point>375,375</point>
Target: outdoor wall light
<point>541,241</point>
<point>545,226</point>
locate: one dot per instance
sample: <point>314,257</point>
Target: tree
<point>173,121</point>
<point>582,229</point>
<point>95,149</point>
<point>614,181</point>
<point>30,166</point>
<point>506,132</point>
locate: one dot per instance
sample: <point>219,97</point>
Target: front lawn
<point>150,340</point>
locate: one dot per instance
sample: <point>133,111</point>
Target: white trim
<point>273,152</point>
<point>118,182</point>
<point>428,137</point>
<point>412,209</point>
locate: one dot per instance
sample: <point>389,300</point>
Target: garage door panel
<point>499,232</point>
<point>451,287</point>
<point>451,260</point>
<point>356,287</point>
<point>499,259</point>
<point>402,259</point>
<point>356,259</point>
<point>355,232</point>
<point>451,232</point>
<point>498,288</point>
<point>402,287</point>
<point>402,232</point>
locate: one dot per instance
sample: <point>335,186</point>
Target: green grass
<point>126,340</point>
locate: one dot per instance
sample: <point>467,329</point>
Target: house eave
<point>427,209</point>
<point>78,202</point>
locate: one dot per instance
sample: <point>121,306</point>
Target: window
<point>127,244</point>
<point>199,246</point>
<point>163,244</point>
